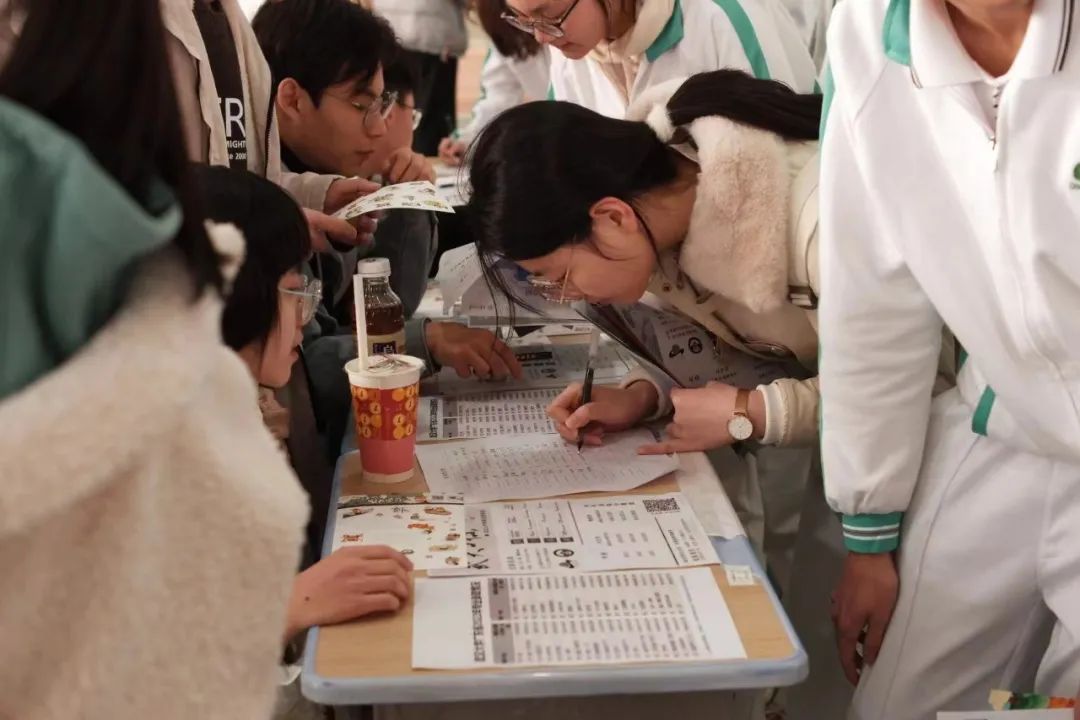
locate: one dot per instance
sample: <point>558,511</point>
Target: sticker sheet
<point>418,195</point>
<point>427,528</point>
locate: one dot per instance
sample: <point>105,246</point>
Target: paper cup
<point>385,398</point>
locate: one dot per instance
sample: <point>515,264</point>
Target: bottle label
<point>387,344</point>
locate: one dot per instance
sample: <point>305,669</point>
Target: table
<point>368,661</point>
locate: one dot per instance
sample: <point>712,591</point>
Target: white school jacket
<point>929,214</point>
<point>699,35</point>
<point>504,83</point>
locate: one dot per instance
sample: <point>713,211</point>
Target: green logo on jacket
<point>1075,184</point>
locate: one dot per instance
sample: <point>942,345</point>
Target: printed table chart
<point>370,661</point>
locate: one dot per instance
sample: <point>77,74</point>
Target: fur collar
<point>737,245</point>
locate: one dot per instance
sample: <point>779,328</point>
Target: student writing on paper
<point>327,59</point>
<point>707,199</point>
<point>149,527</point>
<point>263,320</point>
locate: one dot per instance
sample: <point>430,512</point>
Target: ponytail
<point>763,104</point>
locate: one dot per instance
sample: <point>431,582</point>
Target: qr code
<point>661,505</point>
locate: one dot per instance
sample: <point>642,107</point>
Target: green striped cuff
<point>871,534</point>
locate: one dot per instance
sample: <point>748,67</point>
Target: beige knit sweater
<point>149,525</point>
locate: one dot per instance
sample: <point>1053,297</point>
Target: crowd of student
<point>175,317</point>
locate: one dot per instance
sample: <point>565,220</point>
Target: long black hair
<point>276,241</point>
<point>538,168</point>
<point>99,71</point>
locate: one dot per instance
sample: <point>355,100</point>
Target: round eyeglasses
<point>551,28</point>
<point>308,296</point>
<point>378,109</point>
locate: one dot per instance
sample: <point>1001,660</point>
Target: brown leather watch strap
<point>742,402</point>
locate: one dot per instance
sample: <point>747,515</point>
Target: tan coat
<point>750,255</point>
<point>149,525</point>
<point>204,129</point>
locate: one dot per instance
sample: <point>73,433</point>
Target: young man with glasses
<point>224,93</point>
<point>337,115</point>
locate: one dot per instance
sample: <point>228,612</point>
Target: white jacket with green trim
<point>932,213</point>
<point>506,82</point>
<point>697,36</point>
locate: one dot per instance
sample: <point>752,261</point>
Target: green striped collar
<point>669,37</point>
<point>897,32</point>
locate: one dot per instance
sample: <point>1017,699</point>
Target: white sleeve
<point>500,90</point>
<point>879,338</point>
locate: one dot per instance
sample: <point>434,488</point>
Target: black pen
<point>586,389</point>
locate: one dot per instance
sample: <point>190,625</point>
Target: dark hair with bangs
<point>319,43</point>
<point>276,241</point>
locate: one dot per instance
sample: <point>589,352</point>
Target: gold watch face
<point>740,427</point>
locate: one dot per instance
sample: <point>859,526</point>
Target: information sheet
<point>524,467</point>
<point>572,619</point>
<point>514,412</point>
<point>584,535</point>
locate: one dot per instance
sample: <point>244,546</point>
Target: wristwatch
<point>740,427</point>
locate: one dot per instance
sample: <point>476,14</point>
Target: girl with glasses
<point>610,52</point>
<point>707,199</point>
<point>263,322</point>
<point>138,480</point>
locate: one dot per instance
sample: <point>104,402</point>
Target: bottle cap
<point>373,267</point>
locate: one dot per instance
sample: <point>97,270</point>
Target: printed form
<point>524,467</point>
<point>587,535</point>
<point>514,412</point>
<point>572,619</point>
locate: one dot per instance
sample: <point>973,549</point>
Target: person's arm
<point>662,384</point>
<point>791,412</point>
<point>499,90</point>
<point>309,189</point>
<point>880,338</point>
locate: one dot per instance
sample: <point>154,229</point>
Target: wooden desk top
<point>381,646</point>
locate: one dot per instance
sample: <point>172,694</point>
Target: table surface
<point>368,661</point>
